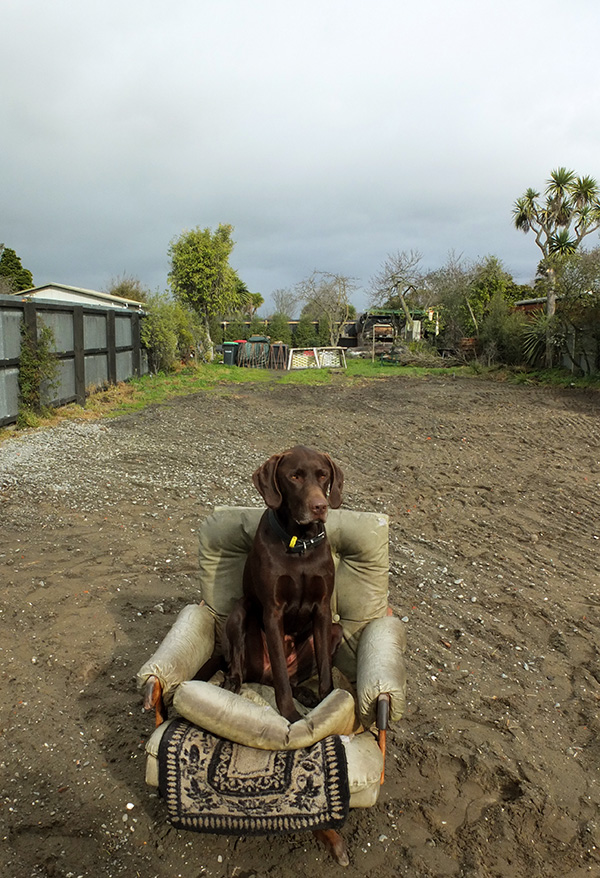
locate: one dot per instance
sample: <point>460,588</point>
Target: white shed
<point>63,293</point>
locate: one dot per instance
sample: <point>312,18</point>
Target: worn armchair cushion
<point>359,545</point>
<point>186,647</point>
<point>256,723</point>
<point>380,668</point>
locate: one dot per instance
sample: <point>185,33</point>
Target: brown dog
<point>288,578</point>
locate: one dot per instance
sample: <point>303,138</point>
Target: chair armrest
<point>380,668</point>
<point>187,646</point>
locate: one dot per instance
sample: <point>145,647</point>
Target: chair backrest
<point>359,545</point>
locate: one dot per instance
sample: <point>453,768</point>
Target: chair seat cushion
<point>363,757</point>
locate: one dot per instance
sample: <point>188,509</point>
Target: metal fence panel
<point>63,387</point>
<point>10,334</point>
<point>123,334</point>
<point>9,394</point>
<point>94,331</point>
<point>61,324</point>
<point>94,345</point>
<point>124,365</point>
<point>96,371</point>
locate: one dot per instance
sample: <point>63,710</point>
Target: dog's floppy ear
<point>336,484</point>
<point>265,482</point>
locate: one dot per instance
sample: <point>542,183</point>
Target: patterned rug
<point>213,785</point>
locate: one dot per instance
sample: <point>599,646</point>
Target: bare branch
<point>399,272</point>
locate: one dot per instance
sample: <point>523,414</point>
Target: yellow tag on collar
<point>293,542</point>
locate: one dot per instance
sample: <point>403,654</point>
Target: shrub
<point>171,332</point>
<point>38,370</point>
<point>235,330</point>
<point>501,335</point>
<point>305,334</point>
<point>279,329</point>
<point>159,334</point>
<point>190,331</point>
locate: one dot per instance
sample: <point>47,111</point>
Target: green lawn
<point>216,378</point>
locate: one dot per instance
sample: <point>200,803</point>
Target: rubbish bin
<point>230,353</point>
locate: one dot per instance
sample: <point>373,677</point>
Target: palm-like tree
<point>570,211</point>
<point>571,202</point>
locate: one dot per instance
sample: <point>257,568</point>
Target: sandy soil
<point>492,491</point>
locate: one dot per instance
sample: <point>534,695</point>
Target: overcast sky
<point>329,134</point>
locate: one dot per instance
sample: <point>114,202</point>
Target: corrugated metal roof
<point>88,294</point>
<point>539,301</point>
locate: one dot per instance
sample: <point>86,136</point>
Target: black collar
<point>296,545</point>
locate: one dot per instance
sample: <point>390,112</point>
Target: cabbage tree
<point>568,211</point>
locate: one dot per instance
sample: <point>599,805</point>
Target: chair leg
<point>335,844</point>
<point>383,715</point>
<point>153,699</point>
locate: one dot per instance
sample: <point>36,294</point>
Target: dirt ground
<point>492,493</point>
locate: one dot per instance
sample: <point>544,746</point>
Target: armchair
<point>369,665</point>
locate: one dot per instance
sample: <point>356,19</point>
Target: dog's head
<point>302,480</point>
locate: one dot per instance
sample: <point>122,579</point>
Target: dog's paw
<point>232,684</point>
<point>306,696</point>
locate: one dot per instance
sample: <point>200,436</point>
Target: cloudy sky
<point>329,133</point>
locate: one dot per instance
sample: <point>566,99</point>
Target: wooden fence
<point>95,346</point>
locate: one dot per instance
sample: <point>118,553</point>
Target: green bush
<point>305,335</point>
<point>171,333</point>
<point>279,329</point>
<point>501,335</point>
<point>159,334</point>
<point>38,370</point>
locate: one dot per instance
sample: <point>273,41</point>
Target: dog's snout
<point>319,508</point>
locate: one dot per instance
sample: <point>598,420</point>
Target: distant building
<point>75,295</point>
<point>529,305</point>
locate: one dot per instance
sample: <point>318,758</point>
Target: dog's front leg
<point>273,624</point>
<point>323,646</point>
<point>235,647</point>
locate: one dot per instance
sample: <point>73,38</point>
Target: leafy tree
<point>465,291</point>
<point>568,213</point>
<point>325,336</point>
<point>158,333</point>
<point>127,287</point>
<point>579,279</point>
<point>327,299</point>
<point>576,325</point>
<point>448,287</point>
<point>279,328</point>
<point>201,276</point>
<point>490,281</point>
<point>257,326</point>
<point>13,277</point>
<point>305,335</point>
<point>255,301</point>
<point>216,330</point>
<point>190,332</point>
